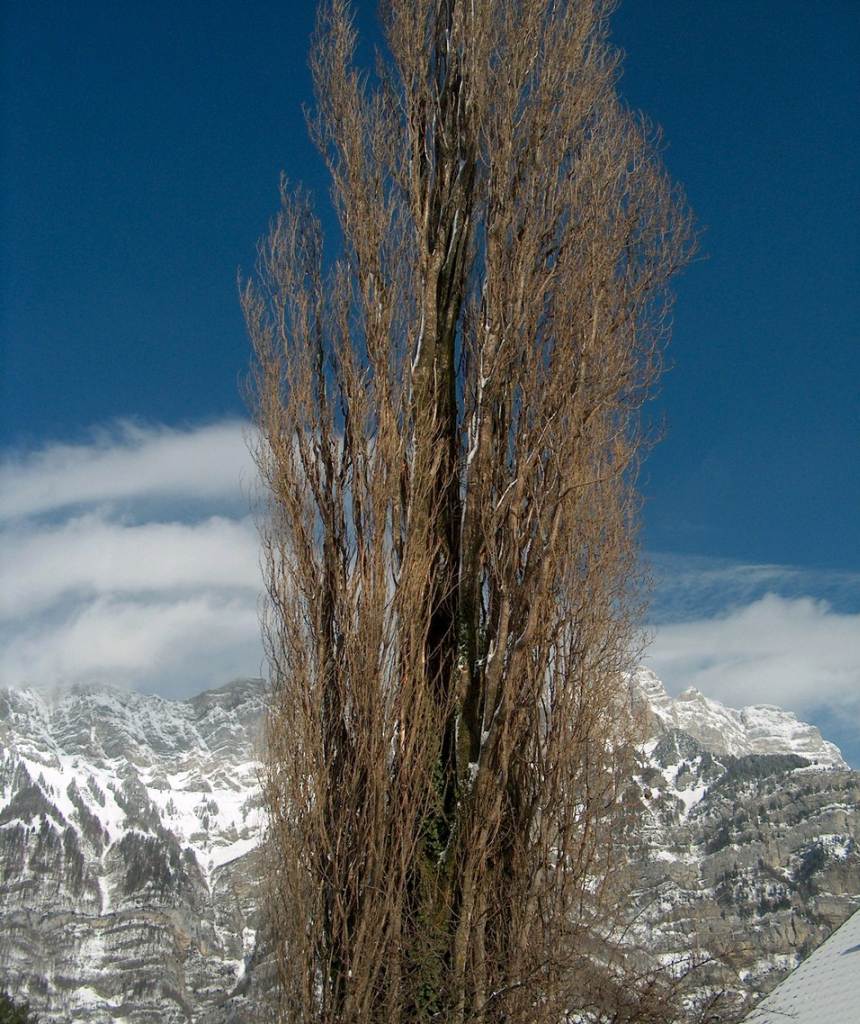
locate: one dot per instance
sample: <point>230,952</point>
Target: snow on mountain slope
<point>195,761</point>
<point>749,841</point>
<point>125,824</point>
<point>757,729</point>
<point>129,827</point>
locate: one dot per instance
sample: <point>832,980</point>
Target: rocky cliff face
<point>129,828</point>
<point>759,729</point>
<point>749,853</point>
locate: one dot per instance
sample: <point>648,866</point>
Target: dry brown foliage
<point>449,437</point>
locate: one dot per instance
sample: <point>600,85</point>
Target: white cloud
<point>125,462</point>
<point>690,587</point>
<point>114,565</point>
<point>795,652</point>
<point>94,556</point>
<point>132,559</point>
<point>172,645</point>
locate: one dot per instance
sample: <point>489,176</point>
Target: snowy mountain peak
<point>130,887</point>
<point>756,729</point>
<point>102,723</point>
<point>148,764</point>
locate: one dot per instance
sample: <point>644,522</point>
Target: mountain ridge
<point>753,729</point>
<point>130,827</point>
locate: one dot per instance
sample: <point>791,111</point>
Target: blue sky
<point>141,149</point>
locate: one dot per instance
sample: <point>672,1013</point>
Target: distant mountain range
<point>130,825</point>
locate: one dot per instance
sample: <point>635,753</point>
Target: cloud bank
<point>127,462</point>
<point>795,652</point>
<point>695,587</point>
<point>130,559</point>
<point>747,634</point>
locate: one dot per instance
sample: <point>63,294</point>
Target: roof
<point>825,987</point>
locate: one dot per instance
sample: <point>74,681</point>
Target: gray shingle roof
<point>824,988</point>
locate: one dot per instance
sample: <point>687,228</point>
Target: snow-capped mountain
<point>196,760</point>
<point>758,729</point>
<point>749,852</point>
<point>127,823</point>
<point>129,828</point>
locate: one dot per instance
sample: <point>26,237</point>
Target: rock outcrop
<point>749,854</point>
<point>130,827</point>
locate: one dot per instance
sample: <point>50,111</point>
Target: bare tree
<point>449,436</point>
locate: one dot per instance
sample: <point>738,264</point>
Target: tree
<point>449,436</point>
